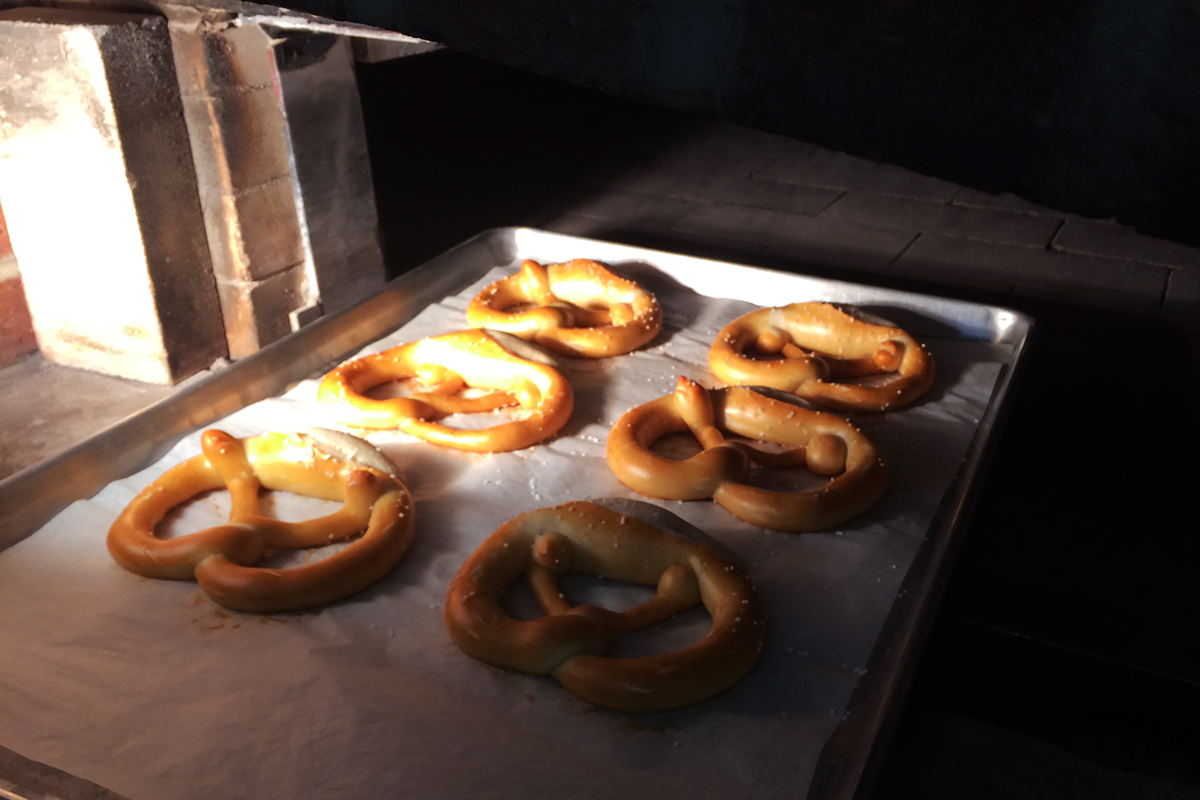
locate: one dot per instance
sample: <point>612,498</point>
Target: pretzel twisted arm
<point>647,473</point>
<point>553,555</point>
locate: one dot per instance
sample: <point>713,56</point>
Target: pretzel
<point>569,641</point>
<point>579,308</point>
<point>448,363</point>
<point>820,344</point>
<point>826,444</point>
<point>222,558</point>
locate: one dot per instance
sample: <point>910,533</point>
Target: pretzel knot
<point>448,364</point>
<point>810,347</point>
<point>578,308</point>
<point>569,641</point>
<point>222,558</point>
<point>824,443</point>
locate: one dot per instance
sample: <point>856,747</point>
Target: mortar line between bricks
<point>252,282</point>
<point>225,91</point>
<point>262,186</point>
<point>1023,212</point>
<point>829,205</point>
<point>1050,244</point>
<point>1108,257</point>
<point>906,248</point>
<point>243,88</point>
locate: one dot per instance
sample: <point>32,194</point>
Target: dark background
<point>1089,106</point>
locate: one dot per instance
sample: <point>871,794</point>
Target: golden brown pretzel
<point>222,559</point>
<point>567,643</point>
<point>826,444</point>
<point>448,363</point>
<point>821,344</point>
<point>578,308</point>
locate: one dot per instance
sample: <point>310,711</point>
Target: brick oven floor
<point>48,408</point>
<point>1065,661</point>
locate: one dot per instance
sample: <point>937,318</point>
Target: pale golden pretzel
<point>569,641</point>
<point>578,308</point>
<point>222,558</point>
<point>821,345</point>
<point>449,363</point>
<point>826,444</point>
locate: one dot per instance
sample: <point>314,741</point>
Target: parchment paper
<point>148,688</point>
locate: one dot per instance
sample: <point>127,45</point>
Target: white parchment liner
<point>148,688</point>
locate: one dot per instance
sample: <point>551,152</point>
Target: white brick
<point>834,170</point>
<point>1109,240</point>
<point>1087,279</point>
<point>918,216</point>
<point>832,242</point>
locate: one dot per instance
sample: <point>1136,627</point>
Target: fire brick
<point>278,261</point>
<point>102,207</point>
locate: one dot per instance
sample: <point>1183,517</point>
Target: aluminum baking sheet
<point>147,688</point>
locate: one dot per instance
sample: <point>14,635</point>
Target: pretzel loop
<point>569,641</point>
<point>578,308</point>
<point>222,558</point>
<point>825,444</point>
<point>814,346</point>
<point>553,554</point>
<point>449,363</point>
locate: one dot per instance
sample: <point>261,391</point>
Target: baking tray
<point>848,753</point>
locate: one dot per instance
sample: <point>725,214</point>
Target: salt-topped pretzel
<point>828,445</point>
<point>821,345</point>
<point>449,363</point>
<point>578,308</point>
<point>569,641</point>
<point>221,559</point>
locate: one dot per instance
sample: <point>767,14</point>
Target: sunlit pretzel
<point>447,364</point>
<point>568,642</point>
<point>826,444</point>
<point>820,345</point>
<point>221,559</point>
<point>578,308</point>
